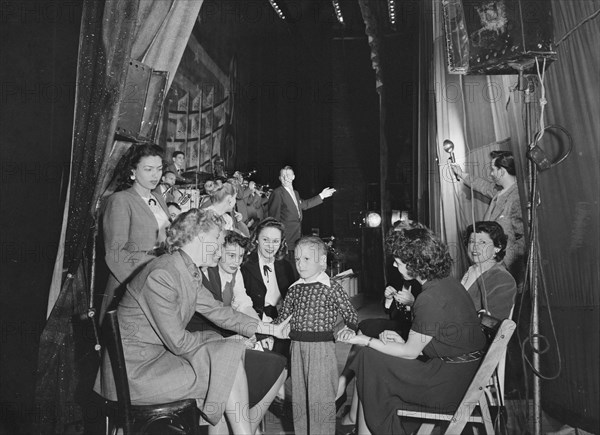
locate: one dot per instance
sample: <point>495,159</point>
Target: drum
<point>190,199</point>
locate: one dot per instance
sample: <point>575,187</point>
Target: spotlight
<point>338,11</point>
<point>372,219</point>
<point>392,11</point>
<point>277,9</point>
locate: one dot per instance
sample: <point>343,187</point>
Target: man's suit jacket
<point>506,210</point>
<point>281,207</point>
<point>255,286</point>
<point>198,321</point>
<point>178,177</point>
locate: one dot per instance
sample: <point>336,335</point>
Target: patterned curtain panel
<point>112,32</point>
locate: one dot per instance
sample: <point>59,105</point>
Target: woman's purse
<point>489,325</point>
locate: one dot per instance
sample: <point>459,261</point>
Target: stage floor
<point>516,409</point>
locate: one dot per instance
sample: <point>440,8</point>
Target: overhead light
<point>277,9</point>
<point>338,11</point>
<point>372,219</point>
<point>392,11</point>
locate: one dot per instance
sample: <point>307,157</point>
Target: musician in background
<point>178,167</point>
<point>174,210</point>
<point>255,204</point>
<point>165,188</point>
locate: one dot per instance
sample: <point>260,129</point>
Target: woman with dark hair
<point>489,284</point>
<point>505,205</point>
<point>267,273</point>
<point>433,368</point>
<point>134,218</point>
<point>165,362</point>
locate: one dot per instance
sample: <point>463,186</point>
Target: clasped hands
<point>282,330</point>
<point>403,296</point>
<point>347,335</point>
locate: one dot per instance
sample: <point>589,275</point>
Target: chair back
<point>489,364</point>
<point>111,338</point>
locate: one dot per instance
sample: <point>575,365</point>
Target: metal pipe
<point>533,271</point>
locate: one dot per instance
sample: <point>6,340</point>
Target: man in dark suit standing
<point>178,167</point>
<point>286,206</point>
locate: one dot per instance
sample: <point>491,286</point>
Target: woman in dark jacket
<point>267,274</point>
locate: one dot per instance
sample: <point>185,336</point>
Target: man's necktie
<point>228,292</point>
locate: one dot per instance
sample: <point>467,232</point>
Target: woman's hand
<point>281,330</point>
<point>405,297</point>
<point>351,337</point>
<point>345,334</point>
<point>248,342</point>
<point>389,292</point>
<point>390,337</point>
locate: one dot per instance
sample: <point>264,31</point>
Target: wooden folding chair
<point>475,399</point>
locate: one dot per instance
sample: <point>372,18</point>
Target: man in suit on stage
<point>286,206</point>
<point>505,205</point>
<point>178,167</point>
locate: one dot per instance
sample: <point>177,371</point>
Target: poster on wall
<point>173,146</point>
<point>205,154</point>
<point>208,96</point>
<point>219,114</point>
<point>194,125</point>
<point>182,121</point>
<point>196,101</point>
<point>192,154</point>
<point>172,127</point>
<point>182,103</point>
<point>217,142</point>
<point>206,122</point>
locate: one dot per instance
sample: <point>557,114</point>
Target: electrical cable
<point>581,23</point>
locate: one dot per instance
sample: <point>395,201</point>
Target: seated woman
<point>265,370</point>
<point>423,372</point>
<point>267,273</point>
<point>489,284</point>
<point>397,304</point>
<point>165,362</point>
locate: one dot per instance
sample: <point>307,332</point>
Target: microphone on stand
<point>449,148</point>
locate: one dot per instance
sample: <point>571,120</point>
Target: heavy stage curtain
<point>473,112</point>
<point>479,113</point>
<point>154,32</point>
<point>568,219</point>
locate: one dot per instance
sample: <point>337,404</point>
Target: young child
<point>314,302</point>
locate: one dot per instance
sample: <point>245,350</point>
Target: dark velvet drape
<point>568,220</point>
<point>102,66</point>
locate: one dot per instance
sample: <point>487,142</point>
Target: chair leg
<point>426,429</point>
<point>487,417</point>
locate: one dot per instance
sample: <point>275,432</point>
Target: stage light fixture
<point>392,11</point>
<point>372,219</point>
<point>338,11</point>
<point>277,9</point>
